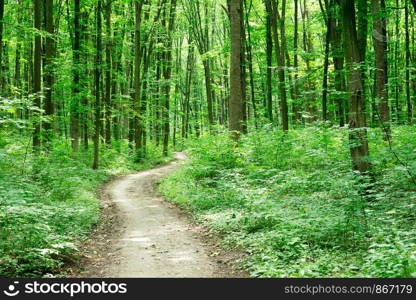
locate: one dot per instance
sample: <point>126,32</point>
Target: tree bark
<point>380,51</point>
<point>76,75</point>
<point>279,49</point>
<point>1,43</point>
<point>407,47</point>
<point>236,97</point>
<point>108,70</point>
<point>269,58</point>
<point>167,76</point>
<point>49,72</point>
<point>357,119</point>
<point>37,61</point>
<point>97,86</point>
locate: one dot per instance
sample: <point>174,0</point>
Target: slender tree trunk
<point>236,97</point>
<point>269,58</point>
<point>326,66</point>
<point>97,86</point>
<point>380,50</point>
<point>49,72</point>
<point>85,101</point>
<point>295,107</point>
<point>76,73</point>
<point>37,61</point>
<point>250,62</point>
<point>407,82</point>
<point>108,70</point>
<point>1,43</point>
<point>338,58</point>
<point>137,79</point>
<point>167,76</point>
<point>279,49</point>
<point>188,83</point>
<point>357,119</point>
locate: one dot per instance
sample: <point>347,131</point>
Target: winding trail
<point>157,240</point>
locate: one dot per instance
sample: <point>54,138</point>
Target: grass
<point>48,202</point>
<point>293,204</point>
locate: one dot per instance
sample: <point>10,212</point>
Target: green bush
<point>292,202</point>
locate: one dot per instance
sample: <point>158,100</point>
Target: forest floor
<point>142,235</point>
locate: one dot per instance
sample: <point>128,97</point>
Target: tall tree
<point>280,57</point>
<point>338,59</point>
<point>357,119</point>
<point>295,107</point>
<point>167,76</point>
<point>407,45</point>
<point>236,96</point>
<point>326,12</point>
<point>97,110</point>
<point>49,71</point>
<point>37,80</point>
<point>380,51</point>
<point>108,70</point>
<point>1,42</point>
<point>269,61</point>
<point>76,75</point>
<point>138,119</point>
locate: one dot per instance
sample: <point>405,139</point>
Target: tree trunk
<point>49,72</point>
<point>1,43</point>
<point>76,84</point>
<point>108,70</point>
<point>337,56</point>
<point>279,49</point>
<point>326,67</point>
<point>357,119</point>
<point>97,86</point>
<point>295,106</point>
<point>167,76</point>
<point>269,57</point>
<point>380,51</point>
<point>137,79</point>
<point>236,97</point>
<point>37,61</point>
<point>407,82</point>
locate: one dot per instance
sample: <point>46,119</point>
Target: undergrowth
<point>48,202</point>
<point>293,204</point>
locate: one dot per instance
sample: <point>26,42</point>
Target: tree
<point>138,5</point>
<point>280,57</point>
<point>167,76</point>
<point>338,59</point>
<point>407,83</point>
<point>37,80</point>
<point>76,74</point>
<point>326,13</point>
<point>269,56</point>
<point>98,50</point>
<point>1,41</point>
<point>108,70</point>
<point>357,119</point>
<point>380,51</point>
<point>236,96</point>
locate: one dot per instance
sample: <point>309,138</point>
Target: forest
<point>297,119</point>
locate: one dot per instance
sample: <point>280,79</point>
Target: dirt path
<point>157,239</point>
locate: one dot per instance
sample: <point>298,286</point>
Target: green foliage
<point>48,202</point>
<point>291,202</point>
